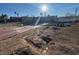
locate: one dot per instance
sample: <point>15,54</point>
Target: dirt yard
<point>46,40</point>
<point>8,26</point>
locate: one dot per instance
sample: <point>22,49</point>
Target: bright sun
<point>44,8</point>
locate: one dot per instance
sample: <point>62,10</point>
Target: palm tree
<point>17,14</point>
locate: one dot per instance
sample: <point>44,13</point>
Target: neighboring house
<point>32,20</point>
<point>28,20</point>
<point>14,19</point>
<point>69,18</point>
<point>67,21</point>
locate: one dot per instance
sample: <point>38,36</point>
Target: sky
<point>34,9</point>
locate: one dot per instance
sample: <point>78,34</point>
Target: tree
<point>41,14</point>
<point>17,14</point>
<point>4,17</point>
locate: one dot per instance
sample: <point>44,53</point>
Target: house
<point>32,20</point>
<point>67,20</point>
